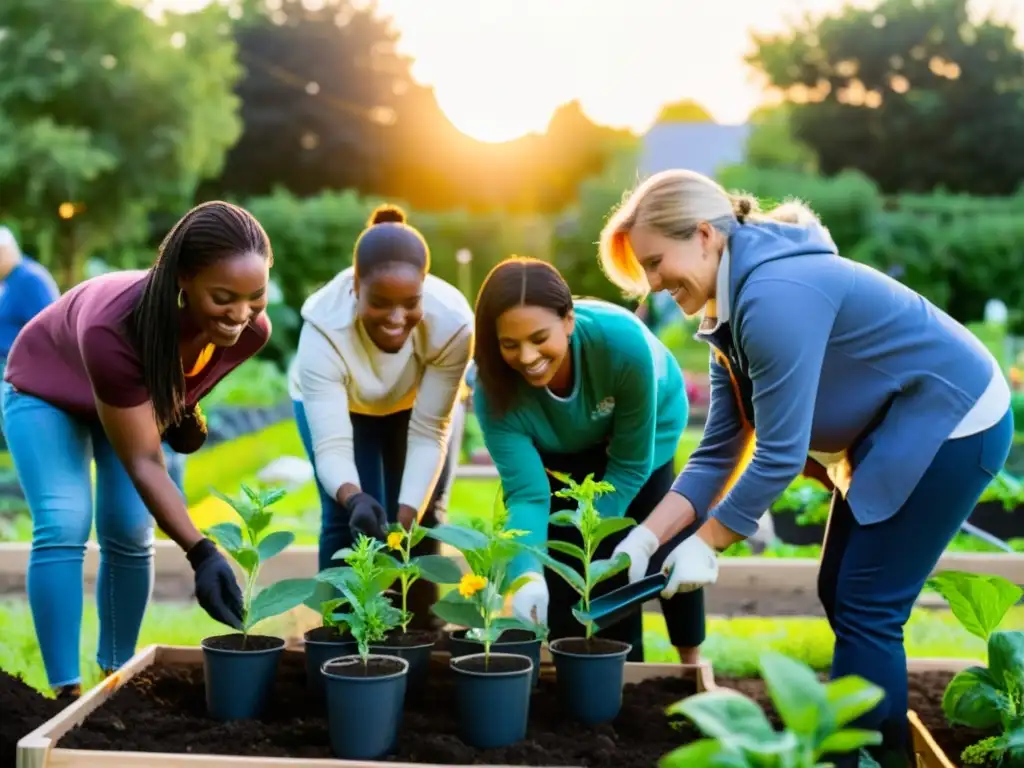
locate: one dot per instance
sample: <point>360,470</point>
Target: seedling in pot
<point>593,530</point>
<point>250,545</point>
<point>479,600</point>
<point>437,569</point>
<point>814,714</point>
<point>989,698</point>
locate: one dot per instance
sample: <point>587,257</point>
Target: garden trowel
<point>616,605</point>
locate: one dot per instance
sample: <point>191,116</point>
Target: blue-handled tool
<point>613,607</point>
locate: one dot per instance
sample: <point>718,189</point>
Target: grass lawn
<point>732,645</point>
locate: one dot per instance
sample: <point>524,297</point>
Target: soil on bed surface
<point>925,689</point>
<point>164,710</point>
<point>22,710</point>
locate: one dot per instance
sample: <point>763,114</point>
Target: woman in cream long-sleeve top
<point>381,360</point>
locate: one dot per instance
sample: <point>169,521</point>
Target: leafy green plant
<point>806,498</point>
<point>251,546</point>
<point>363,582</point>
<point>437,569</point>
<point>593,530</point>
<point>814,715</point>
<point>989,697</point>
<point>477,603</point>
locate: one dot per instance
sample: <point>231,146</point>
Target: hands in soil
<point>363,582</point>
<point>478,602</point>
<point>593,530</point>
<point>437,569</point>
<point>252,547</point>
<point>814,715</point>
<point>993,697</point>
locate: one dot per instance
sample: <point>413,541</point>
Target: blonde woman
<point>824,366</point>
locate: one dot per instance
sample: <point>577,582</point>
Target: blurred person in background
<point>378,373</point>
<point>827,367</point>
<point>26,288</point>
<point>576,387</point>
<point>105,373</point>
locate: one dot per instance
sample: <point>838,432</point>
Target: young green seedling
<point>369,614</point>
<point>593,530</point>
<point>992,697</point>
<point>250,546</point>
<point>814,714</point>
<point>437,569</point>
<point>480,598</point>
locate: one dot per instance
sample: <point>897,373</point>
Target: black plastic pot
<point>589,675</point>
<point>492,698</point>
<point>789,531</point>
<point>321,645</point>
<point>415,647</point>
<point>364,704</point>
<point>520,642</point>
<point>239,673</point>
<point>992,517</point>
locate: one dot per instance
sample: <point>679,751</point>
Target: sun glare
<point>488,122</point>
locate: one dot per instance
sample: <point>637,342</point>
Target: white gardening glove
<point>693,564</point>
<point>640,545</point>
<point>530,601</point>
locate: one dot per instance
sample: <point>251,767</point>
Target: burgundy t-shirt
<point>79,345</point>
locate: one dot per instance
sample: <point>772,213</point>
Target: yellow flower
<point>471,584</point>
<point>395,539</point>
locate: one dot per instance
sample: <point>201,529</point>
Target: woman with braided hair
<point>108,371</point>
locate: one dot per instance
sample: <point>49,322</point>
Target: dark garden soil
<point>328,635</point>
<point>238,642</point>
<point>372,668</point>
<point>495,664</point>
<point>926,689</point>
<point>164,710</point>
<point>22,710</point>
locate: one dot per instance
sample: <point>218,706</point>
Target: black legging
<point>684,613</point>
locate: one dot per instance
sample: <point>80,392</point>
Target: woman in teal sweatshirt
<point>576,387</point>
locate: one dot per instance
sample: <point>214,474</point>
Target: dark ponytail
<point>515,282</point>
<point>205,235</point>
<point>387,240</point>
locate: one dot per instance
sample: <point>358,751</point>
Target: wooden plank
<point>37,750</point>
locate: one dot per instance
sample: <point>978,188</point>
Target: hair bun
<point>387,213</point>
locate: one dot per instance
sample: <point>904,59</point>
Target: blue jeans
<point>51,451</point>
<point>871,574</point>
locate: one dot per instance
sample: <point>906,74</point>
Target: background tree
<point>911,92</point>
<point>106,113</point>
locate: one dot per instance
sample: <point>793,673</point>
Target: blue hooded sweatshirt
<point>826,354</point>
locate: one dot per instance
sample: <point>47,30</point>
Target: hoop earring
<point>181,299</point>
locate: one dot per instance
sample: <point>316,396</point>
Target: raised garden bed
<point>153,713</point>
<point>937,743</point>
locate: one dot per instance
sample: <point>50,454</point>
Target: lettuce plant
<point>437,569</point>
<point>989,697</point>
<point>593,530</point>
<point>814,715</point>
<point>250,546</point>
<point>479,600</point>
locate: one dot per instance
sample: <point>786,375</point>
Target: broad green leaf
<point>242,508</point>
<point>272,496</point>
<point>506,623</point>
<point>724,714</point>
<point>438,569</point>
<point>703,753</point>
<point>565,518</point>
<point>1006,659</point>
<point>253,496</point>
<point>851,696</point>
<point>418,533</point>
<point>383,580</point>
<point>228,535</point>
<point>979,601</point>
<point>605,569</point>
<point>274,543</point>
<point>384,560</point>
<point>610,525</point>
<point>517,584</point>
<point>259,520</point>
<point>337,576</point>
<point>322,592</point>
<point>462,538</point>
<point>973,699</point>
<point>562,477</point>
<point>277,598</point>
<point>567,548</point>
<point>247,557</point>
<point>573,577</point>
<point>848,740</point>
<point>797,693</point>
<point>458,611</point>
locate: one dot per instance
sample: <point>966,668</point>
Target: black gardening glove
<point>216,588</point>
<point>367,517</point>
